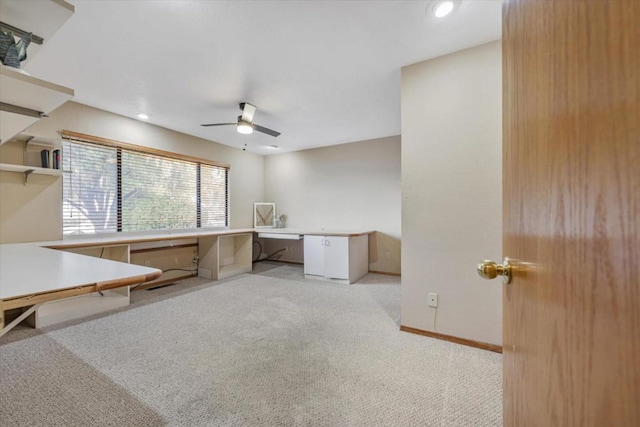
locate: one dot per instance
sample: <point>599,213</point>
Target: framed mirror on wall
<point>264,215</point>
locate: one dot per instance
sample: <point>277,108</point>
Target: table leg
<point>6,328</point>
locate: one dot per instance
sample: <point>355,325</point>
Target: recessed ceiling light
<point>143,116</point>
<point>273,147</point>
<point>442,8</point>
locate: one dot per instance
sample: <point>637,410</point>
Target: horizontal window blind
<point>107,188</point>
<point>158,193</point>
<point>213,196</point>
<point>89,188</point>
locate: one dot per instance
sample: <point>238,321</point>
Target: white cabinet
<point>336,258</point>
<point>314,255</point>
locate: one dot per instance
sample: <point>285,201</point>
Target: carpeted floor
<point>262,349</point>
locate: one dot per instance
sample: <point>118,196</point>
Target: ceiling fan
<point>245,123</point>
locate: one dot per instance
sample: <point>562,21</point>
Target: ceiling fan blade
<point>265,130</point>
<point>219,124</point>
<point>248,111</point>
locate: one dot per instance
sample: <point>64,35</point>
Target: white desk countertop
<point>125,238</point>
<point>30,268</point>
<point>35,268</point>
<point>314,232</point>
<point>26,269</point>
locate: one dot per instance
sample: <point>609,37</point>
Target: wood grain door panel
<point>571,191</point>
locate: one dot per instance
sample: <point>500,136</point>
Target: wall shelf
<point>27,92</point>
<point>50,144</point>
<point>28,170</point>
<point>31,156</point>
<point>24,98</point>
<point>42,18</point>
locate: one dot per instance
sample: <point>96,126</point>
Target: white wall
<point>451,192</point>
<point>33,212</point>
<point>348,186</point>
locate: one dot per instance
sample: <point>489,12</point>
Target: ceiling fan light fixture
<point>245,128</point>
<point>245,123</point>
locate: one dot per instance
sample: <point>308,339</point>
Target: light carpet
<point>262,349</point>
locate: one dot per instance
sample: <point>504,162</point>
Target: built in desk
<point>32,276</point>
<point>330,255</point>
<point>52,284</point>
<point>53,281</point>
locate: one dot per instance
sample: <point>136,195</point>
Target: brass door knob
<point>488,269</point>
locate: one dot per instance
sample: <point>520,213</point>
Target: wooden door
<point>572,212</point>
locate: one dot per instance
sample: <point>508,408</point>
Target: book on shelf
<point>44,158</point>
<point>56,159</point>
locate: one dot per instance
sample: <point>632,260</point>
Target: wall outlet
<point>387,255</point>
<point>286,249</point>
<point>433,299</point>
<point>147,263</point>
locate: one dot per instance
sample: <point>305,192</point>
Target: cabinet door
<point>336,257</point>
<point>314,255</point>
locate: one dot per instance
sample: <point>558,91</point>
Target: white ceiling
<point>320,72</point>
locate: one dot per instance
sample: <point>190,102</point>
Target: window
<point>111,187</point>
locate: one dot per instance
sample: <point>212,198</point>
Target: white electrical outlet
<point>387,255</point>
<point>433,299</point>
<point>147,263</point>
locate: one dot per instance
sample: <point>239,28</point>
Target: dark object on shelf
<point>44,157</point>
<point>56,159</point>
<point>12,53</point>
